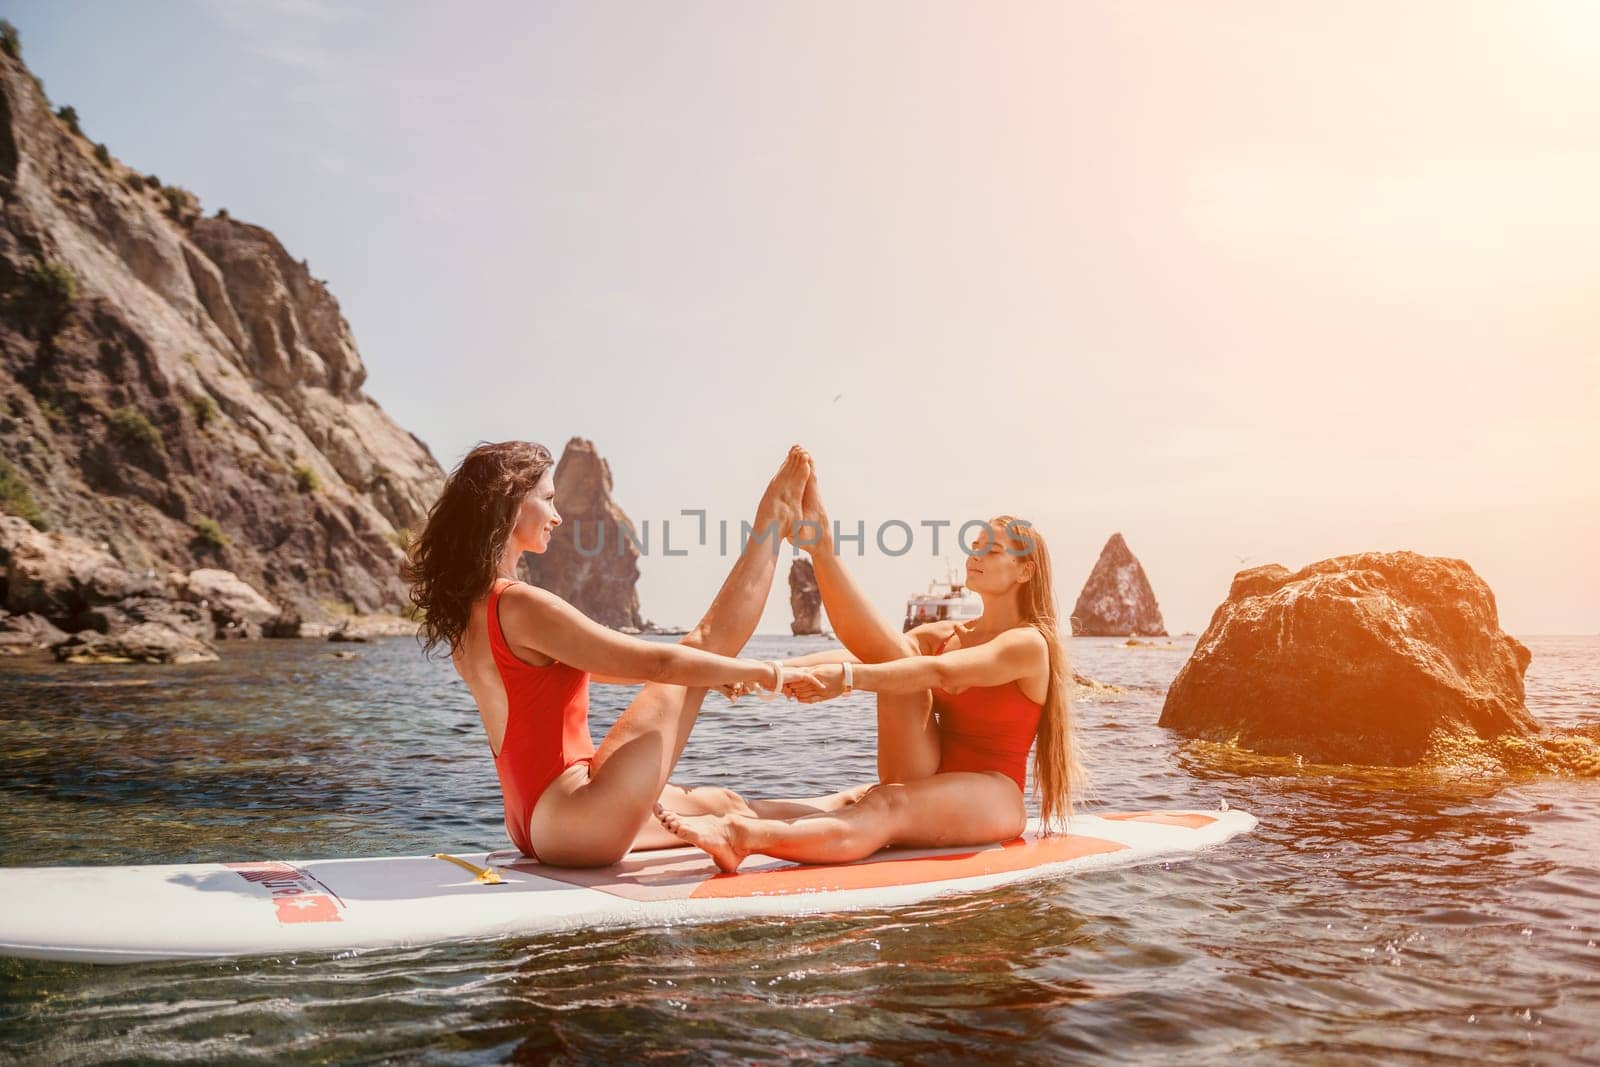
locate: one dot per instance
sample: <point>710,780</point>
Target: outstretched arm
<point>1012,656</point>
<point>827,655</point>
<point>540,622</point>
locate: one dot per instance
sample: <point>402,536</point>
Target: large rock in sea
<point>805,599</point>
<point>181,392</point>
<point>1117,600</point>
<point>1364,659</point>
<point>593,559</point>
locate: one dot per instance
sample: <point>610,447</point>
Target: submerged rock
<point>805,599</point>
<point>1364,659</point>
<point>1117,599</point>
<point>593,559</point>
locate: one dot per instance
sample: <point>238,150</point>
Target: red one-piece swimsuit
<point>986,728</point>
<point>547,726</point>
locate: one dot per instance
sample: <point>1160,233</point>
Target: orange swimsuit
<point>986,728</point>
<point>547,727</point>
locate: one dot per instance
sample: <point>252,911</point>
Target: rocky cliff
<point>805,598</point>
<point>593,559</point>
<point>1117,599</point>
<point>177,390</point>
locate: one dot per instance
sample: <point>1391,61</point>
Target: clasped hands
<point>808,685</point>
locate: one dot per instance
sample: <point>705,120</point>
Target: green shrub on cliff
<point>10,40</point>
<point>69,114</point>
<point>131,427</point>
<point>48,291</point>
<point>209,532</point>
<point>17,498</point>
<point>306,478</point>
<point>103,154</point>
<point>204,408</point>
<point>178,198</point>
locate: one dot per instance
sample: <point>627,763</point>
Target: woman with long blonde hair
<point>959,706</point>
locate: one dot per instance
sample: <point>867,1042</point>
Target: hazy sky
<point>1261,280</point>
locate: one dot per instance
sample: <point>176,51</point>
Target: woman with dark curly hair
<point>527,656</point>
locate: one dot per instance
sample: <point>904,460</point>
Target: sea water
<point>1386,917</point>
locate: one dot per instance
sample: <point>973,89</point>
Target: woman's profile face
<point>993,569</point>
<point>537,517</point>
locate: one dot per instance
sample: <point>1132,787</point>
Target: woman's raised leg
<point>945,810</point>
<point>592,819</point>
<point>908,739</point>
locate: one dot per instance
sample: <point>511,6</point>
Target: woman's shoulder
<point>517,592</point>
<point>1032,635</point>
<point>1025,636</point>
<point>524,611</point>
<point>527,606</point>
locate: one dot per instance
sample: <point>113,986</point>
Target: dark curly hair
<point>452,562</point>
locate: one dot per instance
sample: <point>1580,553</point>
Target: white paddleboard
<point>201,910</point>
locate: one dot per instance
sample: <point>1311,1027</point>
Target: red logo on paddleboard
<point>298,896</point>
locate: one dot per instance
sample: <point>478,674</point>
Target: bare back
<point>475,664</point>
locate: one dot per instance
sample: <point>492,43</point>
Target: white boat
<point>948,599</point>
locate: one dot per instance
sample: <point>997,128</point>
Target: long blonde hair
<point>1057,772</point>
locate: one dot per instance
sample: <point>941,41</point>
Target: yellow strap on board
<point>486,875</point>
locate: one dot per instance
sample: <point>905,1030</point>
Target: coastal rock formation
<point>805,599</point>
<point>236,609</point>
<point>593,559</point>
<point>1365,659</point>
<point>27,633</point>
<point>1117,600</point>
<point>56,584</point>
<point>148,642</point>
<point>181,394</point>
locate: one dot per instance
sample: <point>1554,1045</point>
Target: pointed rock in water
<point>1117,600</point>
<point>593,559</point>
<point>805,599</point>
<point>181,393</point>
<point>1364,659</point>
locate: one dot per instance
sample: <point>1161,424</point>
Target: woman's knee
<point>888,801</point>
<point>1012,817</point>
<point>706,800</point>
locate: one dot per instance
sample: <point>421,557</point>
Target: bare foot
<point>813,530</point>
<point>780,504</point>
<point>710,833</point>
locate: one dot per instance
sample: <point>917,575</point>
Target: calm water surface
<point>1373,917</point>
